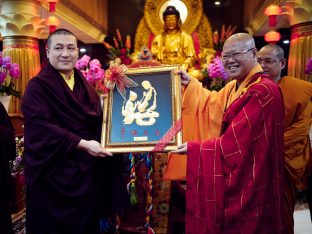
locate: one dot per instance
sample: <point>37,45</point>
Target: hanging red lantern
<point>52,22</point>
<point>52,5</point>
<point>272,37</point>
<point>272,11</point>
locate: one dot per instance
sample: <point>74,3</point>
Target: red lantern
<point>52,4</point>
<point>52,22</point>
<point>272,11</point>
<point>272,37</point>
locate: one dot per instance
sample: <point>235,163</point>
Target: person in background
<point>234,179</point>
<point>7,153</point>
<point>63,157</point>
<point>297,96</point>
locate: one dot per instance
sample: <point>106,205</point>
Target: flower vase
<point>5,100</point>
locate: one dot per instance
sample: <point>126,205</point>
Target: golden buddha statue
<point>173,46</point>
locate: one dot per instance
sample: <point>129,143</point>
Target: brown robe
<point>64,184</point>
<point>297,96</point>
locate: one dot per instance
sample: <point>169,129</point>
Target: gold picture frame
<point>149,111</point>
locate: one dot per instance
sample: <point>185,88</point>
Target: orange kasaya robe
<point>298,108</point>
<point>202,113</point>
<point>297,96</point>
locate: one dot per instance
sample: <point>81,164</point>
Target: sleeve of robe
<point>297,146</point>
<point>297,96</point>
<point>202,112</point>
<point>235,181</point>
<point>48,141</point>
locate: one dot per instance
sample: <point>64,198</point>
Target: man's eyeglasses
<point>235,55</point>
<point>267,62</point>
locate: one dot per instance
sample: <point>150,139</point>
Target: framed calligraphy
<point>149,112</point>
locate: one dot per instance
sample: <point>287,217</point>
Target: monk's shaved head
<point>239,56</point>
<point>271,58</point>
<point>243,38</point>
<point>277,50</point>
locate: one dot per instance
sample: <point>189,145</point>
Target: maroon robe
<point>7,153</point>
<point>235,182</point>
<point>63,183</point>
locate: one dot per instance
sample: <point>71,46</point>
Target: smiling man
<point>297,96</point>
<point>235,168</point>
<point>62,151</point>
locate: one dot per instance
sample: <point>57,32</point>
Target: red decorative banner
<point>170,134</point>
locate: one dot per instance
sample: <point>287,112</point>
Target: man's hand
<point>93,148</point>
<point>182,149</point>
<point>185,77</point>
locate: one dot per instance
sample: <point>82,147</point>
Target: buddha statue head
<point>171,17</point>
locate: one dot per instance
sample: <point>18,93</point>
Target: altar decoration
<point>143,58</point>
<point>52,5</point>
<point>214,75</point>
<point>217,74</point>
<point>149,197</point>
<point>218,41</point>
<point>52,21</point>
<point>17,165</point>
<point>131,186</point>
<point>9,73</point>
<point>272,36</point>
<point>17,173</point>
<point>119,49</point>
<point>272,11</point>
<point>94,74</point>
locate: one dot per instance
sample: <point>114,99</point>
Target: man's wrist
<point>82,145</point>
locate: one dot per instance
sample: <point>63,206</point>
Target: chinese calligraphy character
<point>134,132</point>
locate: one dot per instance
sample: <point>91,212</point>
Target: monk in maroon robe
<point>235,181</point>
<point>7,153</point>
<point>63,158</point>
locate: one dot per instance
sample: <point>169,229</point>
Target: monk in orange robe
<point>200,122</point>
<point>298,108</point>
<point>235,178</point>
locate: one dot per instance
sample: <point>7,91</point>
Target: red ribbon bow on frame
<point>116,77</point>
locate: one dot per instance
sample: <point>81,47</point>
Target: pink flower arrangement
<point>9,72</point>
<point>93,72</point>
<point>216,69</point>
<point>308,69</point>
<point>214,74</point>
